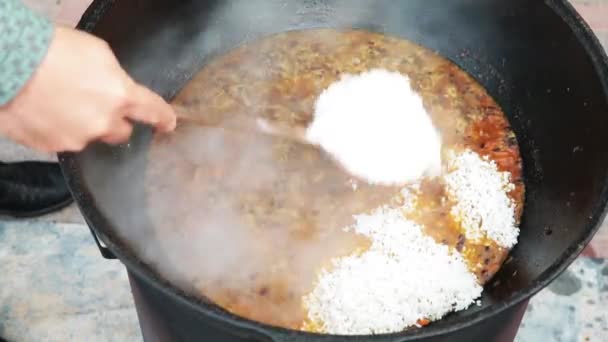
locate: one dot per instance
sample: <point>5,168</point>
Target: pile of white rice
<point>406,276</point>
<point>377,127</point>
<point>401,279</point>
<point>483,207</point>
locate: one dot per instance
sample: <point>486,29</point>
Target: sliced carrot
<point>423,322</point>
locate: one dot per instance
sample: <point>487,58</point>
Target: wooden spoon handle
<point>244,123</point>
<point>283,131</point>
<point>187,115</point>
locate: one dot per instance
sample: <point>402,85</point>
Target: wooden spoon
<point>258,125</point>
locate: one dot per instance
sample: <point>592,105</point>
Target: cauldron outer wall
<point>538,60</point>
<point>166,321</point>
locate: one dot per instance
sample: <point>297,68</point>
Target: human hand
<point>79,94</point>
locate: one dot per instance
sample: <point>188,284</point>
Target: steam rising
<point>244,219</point>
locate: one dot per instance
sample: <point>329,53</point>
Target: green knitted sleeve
<point>24,39</point>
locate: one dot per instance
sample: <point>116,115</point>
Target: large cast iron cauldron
<point>537,58</point>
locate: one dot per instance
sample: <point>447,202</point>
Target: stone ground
<point>54,286</point>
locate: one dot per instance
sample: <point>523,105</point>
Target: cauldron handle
<point>105,251</point>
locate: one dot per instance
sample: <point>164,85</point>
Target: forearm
<point>24,40</point>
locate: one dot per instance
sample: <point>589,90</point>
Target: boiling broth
<point>261,215</point>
